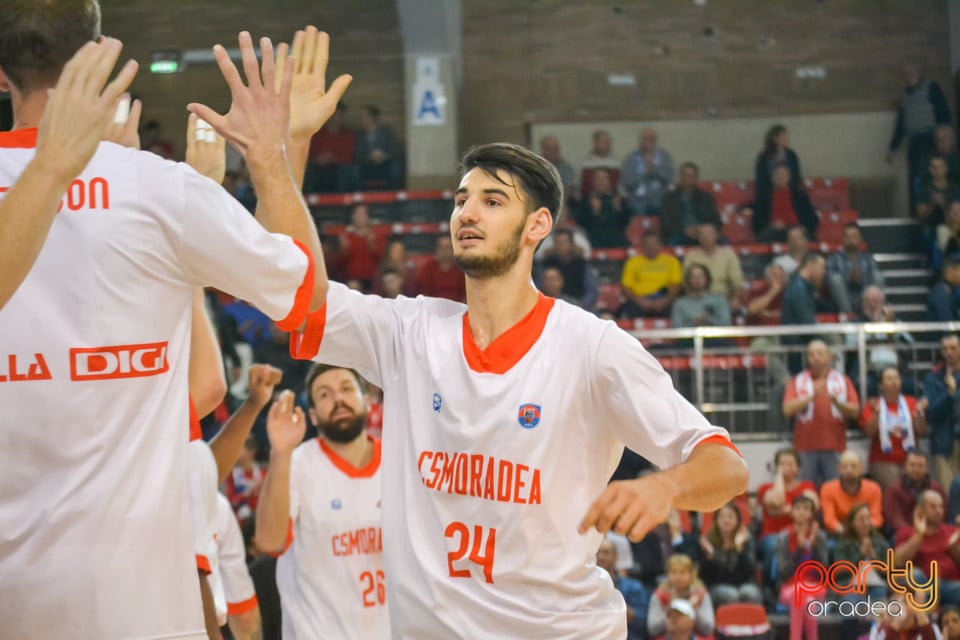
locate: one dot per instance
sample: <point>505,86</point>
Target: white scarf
<point>900,424</point>
<point>836,386</point>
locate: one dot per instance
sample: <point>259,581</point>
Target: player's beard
<point>503,259</point>
<point>343,429</point>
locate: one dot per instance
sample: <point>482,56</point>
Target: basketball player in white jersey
<point>101,250</point>
<point>507,417</point>
<point>326,494</point>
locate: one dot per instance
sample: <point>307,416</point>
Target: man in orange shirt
<point>838,496</point>
<point>820,401</point>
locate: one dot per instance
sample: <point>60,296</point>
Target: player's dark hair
<point>538,178</point>
<point>319,369</point>
<point>38,37</point>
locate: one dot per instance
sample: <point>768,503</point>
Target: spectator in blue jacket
<point>943,412</point>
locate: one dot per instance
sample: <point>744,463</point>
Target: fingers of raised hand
<point>283,52</point>
<point>267,64</point>
<point>311,42</point>
<point>299,38</point>
<point>248,58</point>
<point>274,376</point>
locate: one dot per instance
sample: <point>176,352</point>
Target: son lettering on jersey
<point>23,368</point>
<point>361,541</point>
<point>479,476</point>
<point>122,361</point>
<point>83,194</point>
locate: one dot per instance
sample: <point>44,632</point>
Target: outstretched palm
<point>286,424</point>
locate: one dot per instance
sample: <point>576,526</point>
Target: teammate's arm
<point>209,608</point>
<point>705,481</point>
<point>228,443</point>
<point>63,150</point>
<point>246,625</point>
<point>208,386</point>
<point>286,426</point>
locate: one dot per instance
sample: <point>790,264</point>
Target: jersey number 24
<point>480,554</point>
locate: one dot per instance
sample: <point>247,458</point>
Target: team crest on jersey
<point>529,415</point>
<point>437,402</point>
<point>335,504</point>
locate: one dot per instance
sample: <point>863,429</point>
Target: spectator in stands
<point>900,497</point>
<point>646,175</point>
<point>698,307</point>
<point>151,139</point>
<point>678,536</point>
<point>909,625</point>
<point>894,423</point>
<point>728,564</point>
<point>930,540</point>
<point>852,268</point>
<point>378,154</point>
<point>334,258</point>
<point>253,326</point>
<point>763,307</point>
<point>934,196</point>
<point>800,302</point>
<point>680,623</point>
<point>950,623</point>
<point>943,303</point>
<point>821,401</point>
<point>632,591</point>
<point>391,283</point>
<point>550,150</point>
<point>945,146</point>
<point>922,107</point>
<point>798,244</point>
<point>651,280</point>
<point>242,486</point>
<point>440,277</point>
<point>722,262</point>
<point>565,221</point>
<point>682,582</point>
<point>839,495</point>
<point>686,208</point>
<point>948,235</point>
<point>362,247</point>
<point>601,157</point>
<point>395,259</point>
<point>579,278</point>
<point>801,542</point>
<point>776,498</point>
<point>861,541</point>
<point>624,563</point>
<point>776,151</point>
<point>764,303</point>
<point>552,283</point>
<point>784,206</point>
<point>943,413</point>
<point>874,307</point>
<point>604,214</point>
<point>331,164</point>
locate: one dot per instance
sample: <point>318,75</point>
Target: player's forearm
<point>281,209</point>
<point>273,507</point>
<point>208,386</point>
<point>228,443</point>
<point>712,476</point>
<point>209,608</point>
<point>298,151</point>
<point>27,212</point>
<point>246,625</point>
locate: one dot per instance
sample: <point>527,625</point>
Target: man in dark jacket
<point>687,207</point>
<point>940,388</point>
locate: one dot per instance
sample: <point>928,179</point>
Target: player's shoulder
<point>574,320</point>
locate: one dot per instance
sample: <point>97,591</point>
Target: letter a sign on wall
<point>429,101</point>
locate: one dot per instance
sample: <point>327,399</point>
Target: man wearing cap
<point>680,621</point>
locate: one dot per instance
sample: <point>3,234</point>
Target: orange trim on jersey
<point>196,433</point>
<point>236,608</point>
<point>19,139</point>
<point>301,301</point>
<point>349,469</point>
<point>507,350</point>
<point>203,564</point>
<point>286,543</point>
<point>306,345</point>
<point>722,441</point>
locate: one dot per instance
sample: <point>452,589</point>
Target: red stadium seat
<point>738,227</point>
<point>828,194</point>
<point>742,620</point>
<point>832,224</point>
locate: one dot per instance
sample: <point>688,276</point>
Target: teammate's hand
<point>206,150</point>
<point>259,115</point>
<point>286,424</point>
<point>81,107</point>
<point>632,507</point>
<point>311,104</point>
<point>262,379</point>
<point>125,128</point>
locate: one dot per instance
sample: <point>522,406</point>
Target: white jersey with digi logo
<point>95,537</point>
<point>493,458</point>
<point>232,586</point>
<point>331,575</point>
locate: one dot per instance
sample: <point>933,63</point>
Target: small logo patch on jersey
<point>437,402</point>
<point>335,504</point>
<point>529,415</point>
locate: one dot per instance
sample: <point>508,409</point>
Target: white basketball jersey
<point>331,577</point>
<point>232,586</point>
<point>202,482</point>
<point>95,538</point>
<point>493,458</point>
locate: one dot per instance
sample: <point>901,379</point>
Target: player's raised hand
<point>311,103</point>
<point>259,115</point>
<point>81,107</point>
<point>632,507</point>
<point>262,379</point>
<point>125,128</point>
<point>286,424</point>
<point>206,149</point>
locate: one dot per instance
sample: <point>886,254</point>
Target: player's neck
<point>496,304</point>
<point>28,109</point>
<point>357,452</point>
